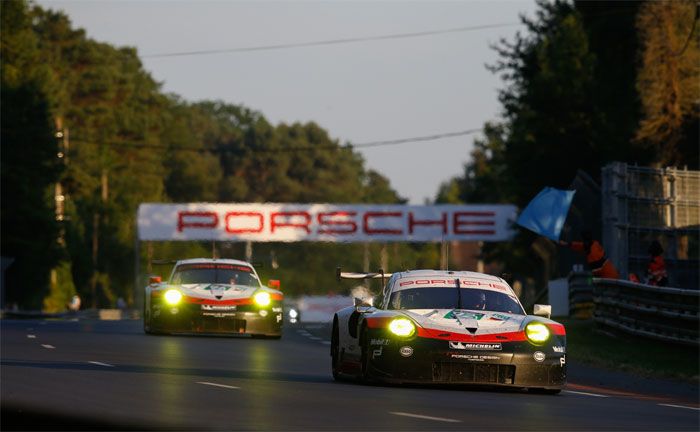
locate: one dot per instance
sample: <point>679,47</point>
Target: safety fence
<point>641,205</point>
<point>668,314</point>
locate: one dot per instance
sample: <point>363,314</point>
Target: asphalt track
<point>89,374</point>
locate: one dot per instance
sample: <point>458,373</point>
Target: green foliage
<point>612,38</point>
<point>29,166</point>
<point>129,143</point>
<point>571,101</point>
<point>485,179</point>
<point>547,102</point>
<point>599,346</point>
<point>61,289</point>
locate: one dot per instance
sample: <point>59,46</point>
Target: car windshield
<point>227,274</point>
<point>447,298</point>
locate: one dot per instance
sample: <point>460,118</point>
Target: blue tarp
<point>546,213</point>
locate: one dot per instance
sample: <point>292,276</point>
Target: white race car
<point>448,327</point>
<point>220,296</point>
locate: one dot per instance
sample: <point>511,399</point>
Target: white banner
<point>325,222</point>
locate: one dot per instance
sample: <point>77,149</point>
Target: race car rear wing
<point>379,274</point>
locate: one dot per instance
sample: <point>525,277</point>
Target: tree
<point>668,82</point>
<point>548,107</point>
<point>130,143</point>
<point>613,41</point>
<point>486,178</point>
<point>30,167</point>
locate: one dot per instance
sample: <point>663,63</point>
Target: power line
<point>330,42</point>
<point>369,144</point>
<point>416,139</point>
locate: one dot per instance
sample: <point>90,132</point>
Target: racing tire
<point>544,391</point>
<point>335,351</point>
<point>364,356</point>
<point>147,321</point>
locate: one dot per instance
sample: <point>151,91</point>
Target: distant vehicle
<point>214,296</point>
<point>448,327</point>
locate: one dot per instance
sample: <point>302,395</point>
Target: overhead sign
<point>325,222</point>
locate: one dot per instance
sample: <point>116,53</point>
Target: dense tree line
<point>127,142</point>
<point>586,84</point>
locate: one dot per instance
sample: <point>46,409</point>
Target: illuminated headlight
<point>293,313</point>
<point>536,332</point>
<point>402,327</point>
<point>262,299</point>
<point>173,296</point>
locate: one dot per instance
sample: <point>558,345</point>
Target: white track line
<point>101,364</point>
<point>48,346</point>
<point>326,342</point>
<point>31,336</point>
<point>680,406</point>
<point>424,417</point>
<point>585,394</point>
<point>217,385</point>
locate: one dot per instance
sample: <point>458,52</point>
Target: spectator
<point>121,303</point>
<point>599,264</point>
<point>656,269</point>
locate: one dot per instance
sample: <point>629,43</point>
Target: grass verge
<point>600,346</point>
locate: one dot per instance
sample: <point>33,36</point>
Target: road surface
<point>91,374</point>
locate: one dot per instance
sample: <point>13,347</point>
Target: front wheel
<point>365,356</point>
<point>264,336</point>
<point>335,351</point>
<point>147,320</point>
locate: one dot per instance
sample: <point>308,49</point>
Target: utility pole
<point>365,262</point>
<point>59,197</point>
<point>384,258</point>
<point>61,136</point>
<point>248,251</point>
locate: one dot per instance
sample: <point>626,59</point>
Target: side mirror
<point>274,284</point>
<point>153,280</point>
<point>362,306</point>
<point>542,310</point>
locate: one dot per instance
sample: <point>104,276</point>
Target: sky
<point>362,92</point>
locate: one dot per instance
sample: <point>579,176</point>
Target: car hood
<point>466,321</point>
<point>217,291</point>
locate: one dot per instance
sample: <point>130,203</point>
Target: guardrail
<point>668,314</point>
<point>101,314</point>
<point>581,294</point>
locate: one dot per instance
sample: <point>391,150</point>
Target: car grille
<point>473,373</point>
<point>221,325</point>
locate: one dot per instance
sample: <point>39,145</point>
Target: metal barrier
<point>668,314</point>
<point>581,294</point>
<point>641,205</point>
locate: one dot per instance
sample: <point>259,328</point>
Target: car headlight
<point>293,313</point>
<point>262,298</point>
<point>402,327</point>
<point>537,333</point>
<point>173,296</point>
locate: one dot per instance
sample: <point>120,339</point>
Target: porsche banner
<point>325,222</point>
